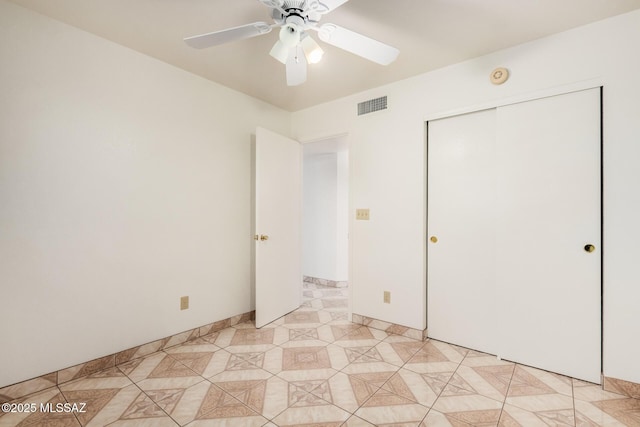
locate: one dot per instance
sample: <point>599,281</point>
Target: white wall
<point>387,168</point>
<point>124,184</point>
<point>325,210</point>
<point>320,176</point>
<point>342,212</point>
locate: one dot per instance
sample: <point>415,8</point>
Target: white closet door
<point>548,204</point>
<point>461,216</point>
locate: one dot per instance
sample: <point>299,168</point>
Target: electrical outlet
<point>387,297</point>
<point>184,303</point>
<point>362,214</point>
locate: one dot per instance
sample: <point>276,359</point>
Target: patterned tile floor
<point>312,367</point>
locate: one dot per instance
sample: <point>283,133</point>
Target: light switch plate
<point>362,214</point>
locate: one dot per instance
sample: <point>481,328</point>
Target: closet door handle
<point>434,239</point>
<point>589,248</point>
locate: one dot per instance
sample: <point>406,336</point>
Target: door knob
<point>434,239</point>
<point>264,237</point>
<point>589,248</point>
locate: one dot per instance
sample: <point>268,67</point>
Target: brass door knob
<point>589,248</point>
<point>264,237</point>
<point>434,239</point>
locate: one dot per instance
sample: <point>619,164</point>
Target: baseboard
<point>325,282</point>
<point>626,388</point>
<point>390,328</point>
<point>34,385</point>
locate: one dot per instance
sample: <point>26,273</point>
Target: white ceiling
<point>429,33</point>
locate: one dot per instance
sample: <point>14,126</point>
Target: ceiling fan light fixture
<point>312,50</point>
<point>290,35</point>
<point>280,52</point>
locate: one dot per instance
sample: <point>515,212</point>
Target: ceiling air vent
<point>372,105</point>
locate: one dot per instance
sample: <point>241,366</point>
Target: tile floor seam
<point>270,420</point>
<point>504,401</point>
<point>248,361</point>
<point>422,421</point>
<point>507,393</point>
<point>180,362</point>
<point>373,395</point>
<point>341,371</point>
<point>403,367</point>
<point>332,403</point>
<point>453,376</point>
<point>67,400</point>
<point>156,403</point>
<point>573,402</point>
<point>147,377</point>
<point>237,400</point>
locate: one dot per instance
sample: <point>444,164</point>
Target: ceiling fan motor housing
<point>306,10</point>
<point>301,4</point>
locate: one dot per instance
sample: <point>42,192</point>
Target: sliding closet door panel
<point>548,211</point>
<point>461,216</point>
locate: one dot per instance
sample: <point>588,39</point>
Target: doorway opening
<point>325,218</point>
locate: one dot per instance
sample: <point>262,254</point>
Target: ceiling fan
<point>295,47</point>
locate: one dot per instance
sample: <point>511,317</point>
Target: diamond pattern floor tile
<point>313,367</point>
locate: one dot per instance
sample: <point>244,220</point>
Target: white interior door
<point>461,216</point>
<point>548,202</point>
<point>278,212</point>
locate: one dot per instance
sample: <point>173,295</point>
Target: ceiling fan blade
<point>229,35</point>
<point>329,5</point>
<point>296,67</point>
<point>274,4</point>
<point>358,44</point>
